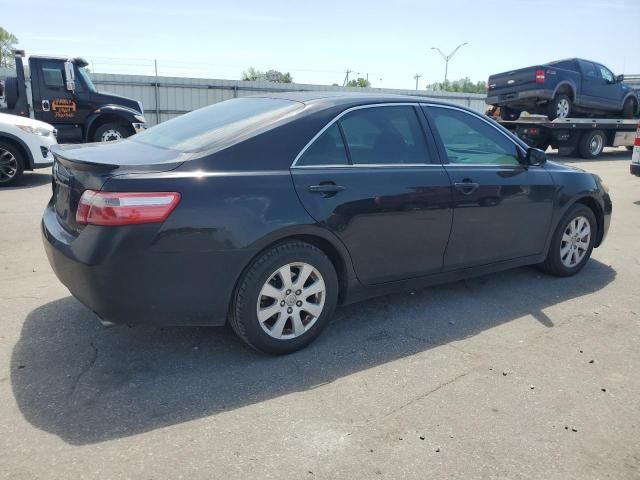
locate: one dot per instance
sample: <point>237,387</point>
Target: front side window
<point>606,73</point>
<point>327,149</point>
<point>384,135</point>
<point>469,140</point>
<point>53,77</point>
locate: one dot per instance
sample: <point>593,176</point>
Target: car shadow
<point>30,179</point>
<point>86,384</point>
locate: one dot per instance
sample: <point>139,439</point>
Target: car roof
<point>332,98</point>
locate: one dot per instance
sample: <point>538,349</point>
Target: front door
<point>368,177</point>
<point>502,209</point>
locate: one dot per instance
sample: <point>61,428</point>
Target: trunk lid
<point>87,167</point>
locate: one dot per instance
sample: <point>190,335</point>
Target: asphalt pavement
<point>513,375</point>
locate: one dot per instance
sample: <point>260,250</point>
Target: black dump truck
<point>59,91</point>
<point>562,89</point>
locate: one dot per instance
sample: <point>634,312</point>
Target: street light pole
<point>446,58</point>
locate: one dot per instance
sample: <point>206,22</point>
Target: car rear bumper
<point>120,277</point>
<point>526,96</point>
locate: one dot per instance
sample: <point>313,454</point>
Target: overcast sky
<point>318,40</point>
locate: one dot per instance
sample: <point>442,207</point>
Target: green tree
<point>8,43</point>
<point>252,75</point>
<point>359,82</point>
<point>464,85</point>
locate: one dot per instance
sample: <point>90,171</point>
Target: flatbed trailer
<point>586,137</point>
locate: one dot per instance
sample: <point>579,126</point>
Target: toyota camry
<point>266,212</point>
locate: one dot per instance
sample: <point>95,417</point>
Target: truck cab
<point>60,92</point>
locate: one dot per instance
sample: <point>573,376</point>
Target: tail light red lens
<point>637,142</point>
<point>539,76</point>
<point>124,208</point>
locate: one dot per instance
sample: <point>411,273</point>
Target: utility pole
<point>417,76</point>
<point>346,77</point>
<point>446,58</point>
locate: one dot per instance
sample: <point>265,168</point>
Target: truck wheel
<point>629,109</point>
<point>11,164</point>
<point>11,91</point>
<point>509,113</point>
<point>591,144</point>
<point>110,132</point>
<point>559,107</point>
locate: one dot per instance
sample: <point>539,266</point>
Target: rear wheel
<point>11,164</point>
<point>591,144</point>
<point>560,107</point>
<point>285,298</point>
<point>507,113</point>
<point>629,109</point>
<point>110,132</point>
<point>572,242</point>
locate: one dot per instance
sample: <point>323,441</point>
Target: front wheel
<point>110,132</point>
<point>629,109</point>
<point>572,242</point>
<point>559,107</point>
<point>11,164</point>
<point>285,298</point>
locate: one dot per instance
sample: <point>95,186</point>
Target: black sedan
<point>269,211</point>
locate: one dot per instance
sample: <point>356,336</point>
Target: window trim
<point>445,161</point>
<point>369,165</point>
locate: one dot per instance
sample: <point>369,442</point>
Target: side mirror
<point>620,78</point>
<point>69,76</point>
<point>535,156</point>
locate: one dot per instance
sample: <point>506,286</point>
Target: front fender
<point>577,186</point>
<point>633,95</point>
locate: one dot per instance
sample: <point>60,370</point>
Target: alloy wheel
<point>562,109</point>
<point>291,301</point>
<point>8,165</point>
<point>575,241</point>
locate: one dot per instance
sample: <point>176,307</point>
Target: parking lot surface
<point>512,375</point>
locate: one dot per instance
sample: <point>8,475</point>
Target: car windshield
<point>87,79</point>
<point>221,122</point>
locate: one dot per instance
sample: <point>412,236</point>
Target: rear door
<point>502,209</point>
<point>368,177</point>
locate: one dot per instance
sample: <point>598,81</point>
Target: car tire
<point>591,144</point>
<point>509,114</point>
<point>110,132</point>
<point>629,109</point>
<point>560,107</point>
<point>11,92</point>
<point>11,164</point>
<point>567,242</point>
<point>264,290</point>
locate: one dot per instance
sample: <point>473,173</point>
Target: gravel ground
<point>512,375</point>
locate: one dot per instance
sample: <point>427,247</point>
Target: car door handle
<point>326,189</point>
<point>466,187</point>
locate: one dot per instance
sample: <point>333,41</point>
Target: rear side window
<point>220,124</point>
<point>469,140</point>
<point>588,69</point>
<point>327,149</point>
<point>385,135</point>
<point>52,77</point>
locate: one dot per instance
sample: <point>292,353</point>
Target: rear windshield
<point>220,124</point>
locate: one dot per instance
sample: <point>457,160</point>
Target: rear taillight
<point>539,76</point>
<point>637,142</point>
<point>125,208</point>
